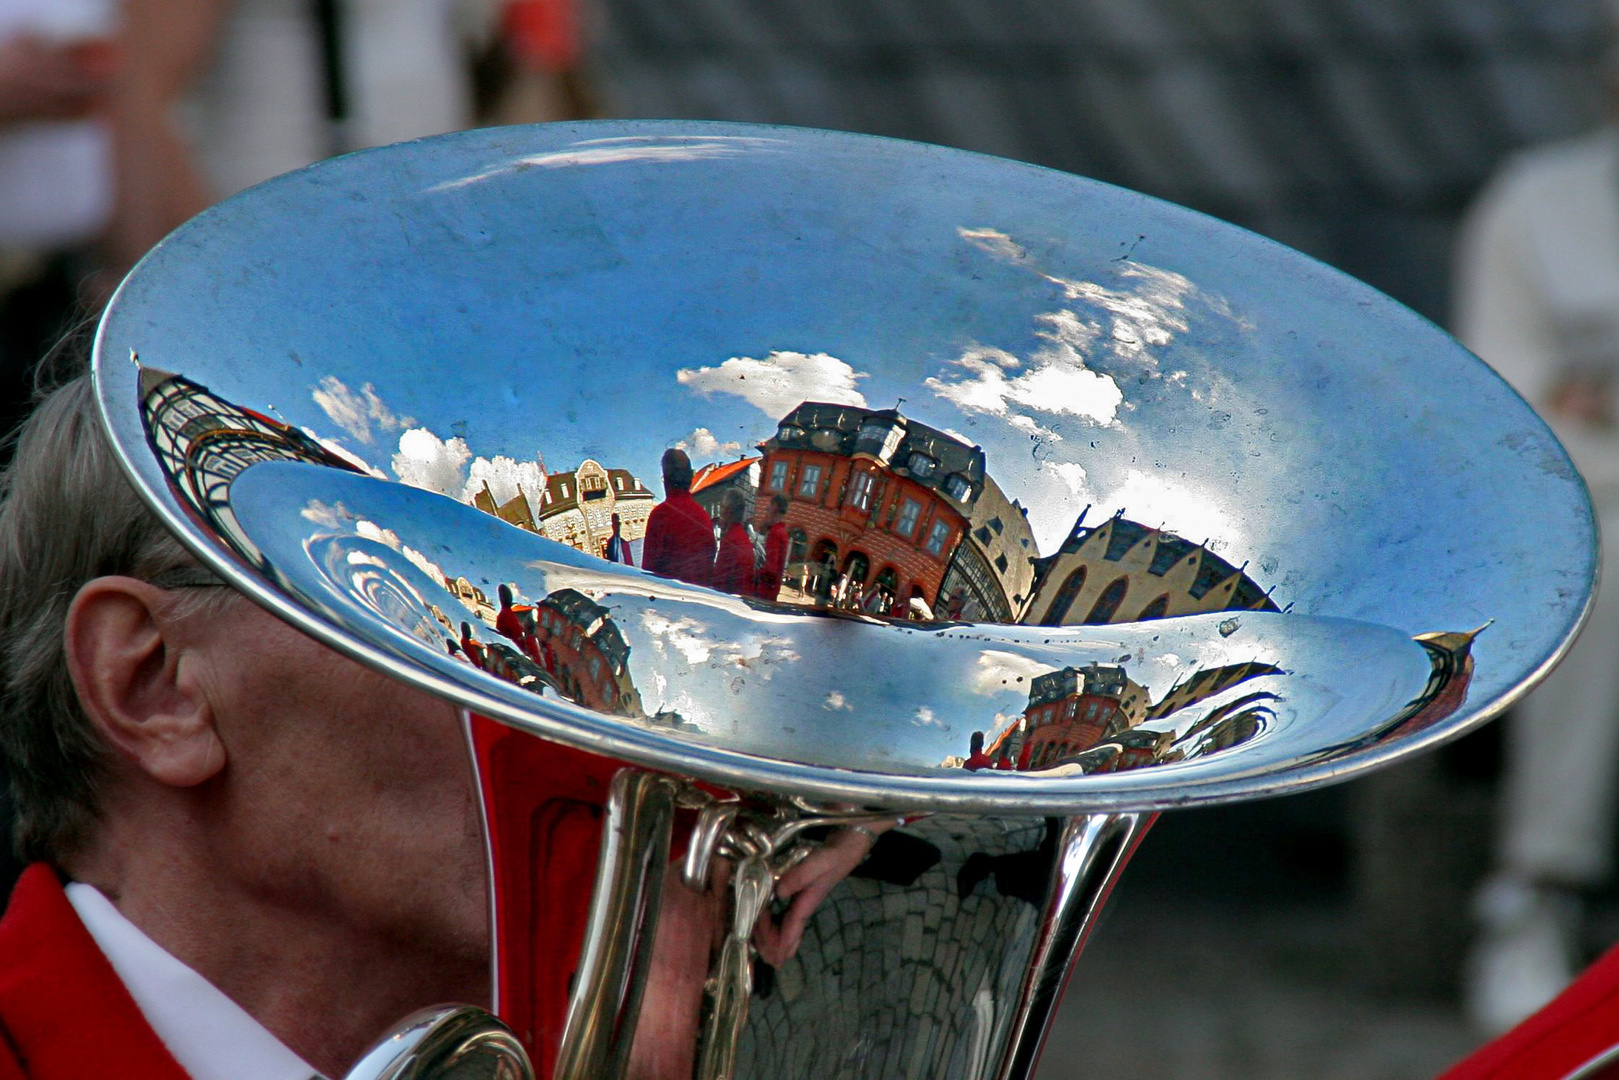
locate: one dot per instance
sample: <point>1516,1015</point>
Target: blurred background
<point>1322,935</point>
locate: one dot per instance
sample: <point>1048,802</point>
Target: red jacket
<point>679,540</point>
<point>733,567</point>
<point>775,564</point>
<point>1579,1024</point>
<point>64,1013</point>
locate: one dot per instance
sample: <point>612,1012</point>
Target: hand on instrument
<point>807,884</point>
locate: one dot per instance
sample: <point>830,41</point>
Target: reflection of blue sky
<point>630,290</point>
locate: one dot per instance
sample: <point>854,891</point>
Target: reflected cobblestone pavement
<point>879,961</point>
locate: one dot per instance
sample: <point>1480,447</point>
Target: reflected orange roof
<point>714,474</point>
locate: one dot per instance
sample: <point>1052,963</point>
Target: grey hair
<point>67,515</point>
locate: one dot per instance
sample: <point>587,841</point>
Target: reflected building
<point>1121,571</point>
<point>1451,655</point>
<point>1091,718</point>
<point>473,598</point>
<point>880,504</point>
<point>576,508</point>
<point>585,653</point>
<point>710,483</point>
<point>205,442</point>
<point>1070,711</point>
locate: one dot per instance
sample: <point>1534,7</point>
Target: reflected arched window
<point>1155,610</point>
<point>1107,605</point>
<point>797,544</point>
<point>1064,598</point>
<point>856,568</point>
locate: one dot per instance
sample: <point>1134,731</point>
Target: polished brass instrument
<point>1039,507</point>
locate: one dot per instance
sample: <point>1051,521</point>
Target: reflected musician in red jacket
<point>734,571</point>
<point>679,534</point>
<point>774,567</point>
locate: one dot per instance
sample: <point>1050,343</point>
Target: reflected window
<point>809,482</point>
<point>1001,564</point>
<point>957,487</point>
<point>778,476</point>
<point>860,490</point>
<point>921,465</point>
<point>789,433</point>
<point>982,534</point>
<point>856,569</point>
<point>937,537</point>
<point>909,512</point>
<point>1156,609</point>
<point>1064,598</point>
<point>1107,605</point>
<point>995,523</point>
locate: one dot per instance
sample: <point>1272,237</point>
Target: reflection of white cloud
<point>703,444</point>
<point>924,718</point>
<point>620,150</point>
<point>997,243</point>
<point>426,461</point>
<point>1149,314</point>
<point>1122,325</point>
<point>692,640</point>
<point>504,476</point>
<point>1055,381</point>
<point>779,382</point>
<point>835,701</point>
<point>1154,501</point>
<point>1071,473</point>
<point>346,454</point>
<point>999,671</point>
<point>323,513</point>
<point>686,635</point>
<point>338,517</point>
<point>356,411</point>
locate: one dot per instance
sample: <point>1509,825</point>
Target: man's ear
<point>135,681</point>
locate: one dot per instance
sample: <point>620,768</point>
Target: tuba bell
<point>1026,507</point>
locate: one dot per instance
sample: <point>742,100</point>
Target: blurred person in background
<point>93,169</point>
<point>295,81</point>
<point>1538,299</point>
<point>532,70</point>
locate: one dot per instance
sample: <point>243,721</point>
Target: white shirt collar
<point>211,1036</point>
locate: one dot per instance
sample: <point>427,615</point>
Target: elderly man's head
<point>174,744</point>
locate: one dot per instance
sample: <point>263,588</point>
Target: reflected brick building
<point>1091,717</point>
<point>1072,709</point>
<point>585,654</point>
<point>576,508</point>
<point>1121,571</point>
<point>878,500</point>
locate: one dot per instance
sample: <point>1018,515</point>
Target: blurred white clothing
<point>56,178</point>
<point>261,109</point>
<point>1538,299</point>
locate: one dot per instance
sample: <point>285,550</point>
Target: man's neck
<point>325,990</point>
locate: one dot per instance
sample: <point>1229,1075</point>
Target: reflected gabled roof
<point>834,429</point>
<point>709,475</point>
